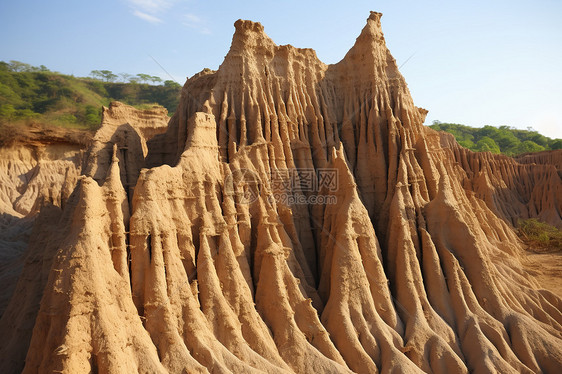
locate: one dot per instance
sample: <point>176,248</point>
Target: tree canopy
<point>504,139</point>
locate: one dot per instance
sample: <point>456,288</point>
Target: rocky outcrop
<point>527,187</point>
<point>294,217</point>
<point>542,158</point>
<point>39,170</point>
<point>128,129</point>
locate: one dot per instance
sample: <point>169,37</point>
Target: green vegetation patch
<point>30,94</point>
<point>540,236</point>
<point>504,139</point>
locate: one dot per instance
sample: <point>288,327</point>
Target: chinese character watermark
<point>285,186</point>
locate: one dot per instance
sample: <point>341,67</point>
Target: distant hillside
<point>30,94</point>
<point>504,139</point>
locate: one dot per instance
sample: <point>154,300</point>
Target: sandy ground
<point>547,268</point>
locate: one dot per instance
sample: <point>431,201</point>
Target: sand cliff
<point>294,217</point>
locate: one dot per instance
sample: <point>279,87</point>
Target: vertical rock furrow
<point>246,257</point>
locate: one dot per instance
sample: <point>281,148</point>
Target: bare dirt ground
<point>547,269</point>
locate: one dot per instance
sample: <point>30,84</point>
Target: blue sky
<point>477,63</point>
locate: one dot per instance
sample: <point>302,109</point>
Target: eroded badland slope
<point>294,217</point>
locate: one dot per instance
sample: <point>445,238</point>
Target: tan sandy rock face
<point>294,217</point>
<point>37,170</point>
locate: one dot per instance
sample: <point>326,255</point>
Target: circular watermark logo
<point>243,185</point>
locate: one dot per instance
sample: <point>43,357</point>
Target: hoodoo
<point>294,217</point>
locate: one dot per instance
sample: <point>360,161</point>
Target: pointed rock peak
<point>370,51</point>
<point>369,40</point>
<point>245,26</point>
<point>249,35</point>
<point>375,16</point>
<point>372,30</point>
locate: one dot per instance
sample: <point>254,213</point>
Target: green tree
<point>171,84</point>
<point>468,144</point>
<point>556,144</point>
<point>17,66</point>
<point>104,75</point>
<point>487,144</point>
<point>529,146</point>
<point>96,74</point>
<point>489,131</point>
<point>154,79</point>
<point>92,115</point>
<point>507,141</point>
<point>538,139</point>
<point>125,77</point>
<point>108,75</point>
<point>144,77</point>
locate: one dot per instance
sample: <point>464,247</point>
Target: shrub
<point>67,118</point>
<point>539,235</point>
<point>26,114</point>
<point>7,111</point>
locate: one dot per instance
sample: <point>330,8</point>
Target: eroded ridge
<point>414,268</point>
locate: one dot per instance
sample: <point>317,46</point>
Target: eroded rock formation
<point>218,257</point>
<point>39,170</point>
